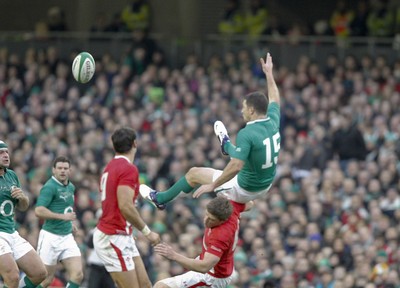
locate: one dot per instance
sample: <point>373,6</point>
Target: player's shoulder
<point>49,182</point>
<point>238,207</point>
<point>72,185</point>
<point>120,166</point>
<point>273,107</point>
<point>11,173</point>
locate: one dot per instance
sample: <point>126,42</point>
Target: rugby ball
<point>83,67</point>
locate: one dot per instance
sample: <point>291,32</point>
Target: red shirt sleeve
<point>217,244</point>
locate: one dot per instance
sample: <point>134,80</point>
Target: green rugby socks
<point>181,186</point>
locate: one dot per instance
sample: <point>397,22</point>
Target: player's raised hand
<point>206,188</point>
<point>153,238</point>
<point>267,65</point>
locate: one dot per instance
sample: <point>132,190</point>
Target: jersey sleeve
<point>242,149</point>
<point>274,113</point>
<point>45,197</point>
<point>217,245</point>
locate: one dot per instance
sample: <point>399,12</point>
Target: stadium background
<point>295,228</point>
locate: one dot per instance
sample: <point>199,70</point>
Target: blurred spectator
<point>136,15</point>
<point>232,21</point>
<point>348,142</point>
<point>41,30</point>
<point>276,28</point>
<point>321,27</point>
<point>116,24</point>
<point>358,25</point>
<point>256,18</point>
<point>56,19</point>
<point>100,24</point>
<point>380,20</point>
<point>341,19</point>
<point>141,51</point>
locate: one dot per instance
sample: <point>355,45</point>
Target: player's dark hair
<point>61,159</point>
<point>123,139</point>
<point>220,207</point>
<point>258,101</point>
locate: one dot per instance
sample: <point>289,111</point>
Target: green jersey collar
<point>55,179</point>
<point>258,120</point>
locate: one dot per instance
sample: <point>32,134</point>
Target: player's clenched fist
<point>154,238</point>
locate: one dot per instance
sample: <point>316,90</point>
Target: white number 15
<point>271,150</point>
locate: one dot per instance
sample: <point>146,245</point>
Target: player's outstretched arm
<point>267,67</point>
<point>130,213</point>
<point>197,265</point>
<point>230,171</point>
<point>44,213</point>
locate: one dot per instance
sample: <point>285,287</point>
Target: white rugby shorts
<point>53,248</point>
<point>115,251</point>
<point>14,244</point>
<point>234,192</point>
<point>196,279</point>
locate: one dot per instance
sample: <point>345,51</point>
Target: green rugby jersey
<point>58,198</point>
<point>7,203</point>
<point>258,145</point>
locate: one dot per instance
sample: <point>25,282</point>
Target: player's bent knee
<point>192,174</point>
<point>46,281</point>
<point>77,277</point>
<point>11,278</point>
<point>40,277</point>
<point>159,284</point>
<point>147,285</point>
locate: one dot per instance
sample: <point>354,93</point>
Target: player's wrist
<point>146,230</point>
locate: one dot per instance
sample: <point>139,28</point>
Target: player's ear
<point>135,143</point>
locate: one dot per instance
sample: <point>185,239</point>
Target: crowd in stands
<point>331,219</point>
<point>377,18</point>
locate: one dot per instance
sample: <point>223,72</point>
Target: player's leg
<point>34,269</point>
<point>188,279</point>
<point>159,284</point>
<point>28,261</point>
<point>141,273</point>
<point>125,279</point>
<point>99,277</point>
<point>73,265</point>
<point>51,271</point>
<point>71,259</point>
<point>194,177</point>
<point>9,269</point>
<point>199,175</point>
<point>49,251</point>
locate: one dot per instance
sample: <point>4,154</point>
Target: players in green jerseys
<point>15,252</point>
<point>56,242</point>
<point>252,168</point>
